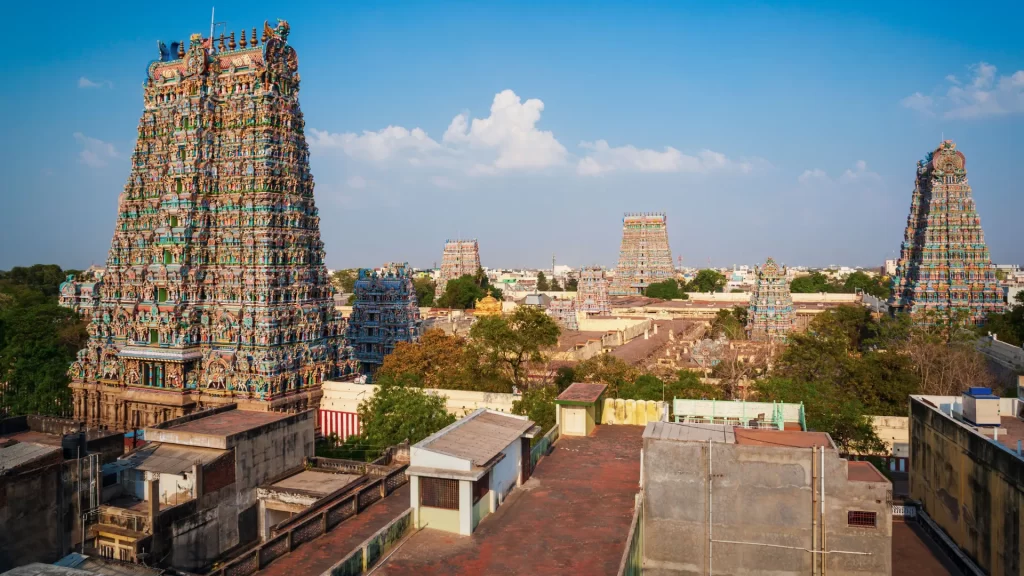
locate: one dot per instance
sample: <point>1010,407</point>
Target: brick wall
<point>219,473</point>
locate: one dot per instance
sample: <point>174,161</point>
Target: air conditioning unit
<point>981,407</point>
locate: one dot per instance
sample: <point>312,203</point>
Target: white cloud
<point>858,174</point>
<point>391,142</point>
<point>985,93</point>
<point>510,131</point>
<point>95,152</point>
<point>356,182</point>
<point>84,82</point>
<point>602,158</point>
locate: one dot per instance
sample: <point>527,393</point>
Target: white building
<point>462,473</point>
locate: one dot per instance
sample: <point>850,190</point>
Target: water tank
<point>981,407</point>
<point>73,445</point>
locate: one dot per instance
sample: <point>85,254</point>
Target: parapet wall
<point>346,396</point>
<point>972,487</point>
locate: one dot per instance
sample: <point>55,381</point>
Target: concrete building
<point>465,471</point>
<point>579,408</point>
<point>189,495</point>
<point>721,499</point>
<point>49,475</point>
<point>969,479</point>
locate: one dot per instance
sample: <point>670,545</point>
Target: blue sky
<point>785,130</point>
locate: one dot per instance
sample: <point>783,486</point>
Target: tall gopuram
<point>385,312</point>
<point>944,265</point>
<point>592,292</point>
<point>645,257</point>
<point>771,314</point>
<point>215,289</point>
<point>461,257</point>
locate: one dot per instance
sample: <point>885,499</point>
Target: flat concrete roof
<point>783,438</point>
<point>688,432</point>
<point>1014,428</point>
<point>726,433</point>
<point>321,483</point>
<point>36,437</point>
<point>23,453</point>
<point>230,422</point>
<point>571,517</point>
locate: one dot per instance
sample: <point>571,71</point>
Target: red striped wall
<point>344,424</point>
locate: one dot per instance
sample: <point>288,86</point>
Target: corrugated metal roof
<point>478,438</point>
<point>582,392</point>
<point>22,453</point>
<point>170,458</point>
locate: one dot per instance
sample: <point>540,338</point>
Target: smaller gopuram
<point>771,314</point>
<point>564,313</point>
<point>592,292</point>
<point>487,306</point>
<point>385,312</point>
<point>461,257</point>
<point>645,256</point>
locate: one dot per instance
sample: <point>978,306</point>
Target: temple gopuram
<point>564,313</point>
<point>592,292</point>
<point>487,306</point>
<point>645,257</point>
<point>944,265</point>
<point>461,257</point>
<point>215,288</point>
<point>771,315</point>
<point>385,312</point>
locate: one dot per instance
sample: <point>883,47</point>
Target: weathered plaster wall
<point>970,486</point>
<point>760,494</point>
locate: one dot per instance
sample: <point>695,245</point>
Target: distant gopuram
<point>592,292</point>
<point>944,264</point>
<point>645,257</point>
<point>215,288</point>
<point>461,257</point>
<point>384,313</point>
<point>771,314</point>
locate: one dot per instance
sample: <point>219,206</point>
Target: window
<point>861,519</point>
<point>161,295</point>
<point>439,493</point>
<point>167,257</point>
<point>173,221</point>
<point>106,551</point>
<point>481,487</point>
<point>154,336</point>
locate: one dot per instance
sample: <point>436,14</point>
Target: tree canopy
<point>510,342</point>
<point>1008,326</point>
<point>666,290</point>
<point>707,280</point>
<point>38,341</point>
<point>538,404</point>
<point>816,282</point>
<point>542,282</point>
<point>463,292</point>
<point>345,280</point>
<point>425,288</point>
<point>400,411</point>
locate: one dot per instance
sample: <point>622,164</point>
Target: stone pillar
<point>465,507</point>
<point>414,499</point>
<point>153,499</point>
<point>197,481</point>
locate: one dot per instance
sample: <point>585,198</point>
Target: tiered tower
<point>384,313</point>
<point>461,257</point>
<point>944,264</point>
<point>771,314</point>
<point>592,292</point>
<point>215,288</point>
<point>564,313</point>
<point>645,257</point>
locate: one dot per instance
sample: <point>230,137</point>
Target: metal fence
<point>632,562</point>
<point>543,446</point>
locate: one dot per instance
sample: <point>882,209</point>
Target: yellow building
<point>488,306</point>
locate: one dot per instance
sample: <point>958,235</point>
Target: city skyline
<point>759,131</point>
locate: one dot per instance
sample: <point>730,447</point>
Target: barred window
<point>481,487</point>
<point>439,493</point>
<point>861,519</point>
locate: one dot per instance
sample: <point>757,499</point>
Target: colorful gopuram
<point>944,265</point>
<point>645,256</point>
<point>385,312</point>
<point>461,257</point>
<point>215,289</point>
<point>592,292</point>
<point>564,313</point>
<point>771,314</point>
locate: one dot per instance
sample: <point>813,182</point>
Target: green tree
<point>1008,325</point>
<point>564,377</point>
<point>813,283</point>
<point>538,404</point>
<point>665,290</point>
<point>686,384</point>
<point>425,288</point>
<point>572,285</point>
<point>828,409</point>
<point>873,285</point>
<point>398,411</point>
<point>555,287</point>
<point>345,280</point>
<point>731,323</point>
<point>707,280</point>
<point>461,293</point>
<point>44,278</point>
<point>509,342</point>
<point>542,282</point>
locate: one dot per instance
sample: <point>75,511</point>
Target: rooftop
<point>170,458</point>
<point>784,438</point>
<point>34,437</point>
<point>229,423</point>
<point>586,488</point>
<point>588,392</point>
<point>860,471</point>
<point>479,437</point>
<point>21,453</point>
<point>729,434</point>
<point>316,482</point>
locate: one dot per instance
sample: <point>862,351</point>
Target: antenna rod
<point>213,10</point>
